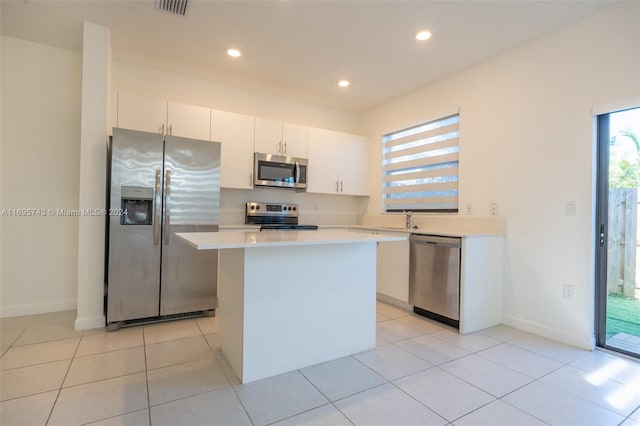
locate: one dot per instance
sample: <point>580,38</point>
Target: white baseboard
<point>581,341</point>
<point>395,302</point>
<point>37,308</point>
<point>87,323</point>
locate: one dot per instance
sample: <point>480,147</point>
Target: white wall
<point>526,142</point>
<point>96,74</point>
<point>163,85</point>
<point>40,132</point>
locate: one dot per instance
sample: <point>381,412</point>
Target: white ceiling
<point>300,49</point>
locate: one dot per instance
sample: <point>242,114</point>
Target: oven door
<point>274,170</point>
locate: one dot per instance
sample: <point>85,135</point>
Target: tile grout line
<point>146,375</point>
<point>538,379</point>
<point>55,402</point>
<point>215,358</point>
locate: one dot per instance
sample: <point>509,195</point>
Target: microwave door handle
<point>297,172</point>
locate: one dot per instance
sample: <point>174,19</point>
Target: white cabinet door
<point>324,161</point>
<point>393,269</point>
<point>276,137</point>
<point>338,162</point>
<point>295,137</point>
<point>141,113</point>
<point>268,136</point>
<point>189,121</point>
<point>235,132</point>
<point>354,165</point>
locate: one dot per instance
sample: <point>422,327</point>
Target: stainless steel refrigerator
<point>162,185</point>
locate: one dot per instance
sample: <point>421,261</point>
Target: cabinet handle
<point>337,183</point>
<point>170,129</point>
<point>280,147</point>
<point>285,147</point>
<point>250,179</point>
<point>341,186</point>
<point>162,129</point>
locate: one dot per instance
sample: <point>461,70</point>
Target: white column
<point>96,76</point>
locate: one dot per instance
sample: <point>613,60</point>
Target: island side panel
<point>231,305</point>
<point>306,305</point>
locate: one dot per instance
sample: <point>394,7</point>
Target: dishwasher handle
<point>435,240</point>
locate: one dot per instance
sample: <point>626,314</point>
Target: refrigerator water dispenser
<point>137,205</point>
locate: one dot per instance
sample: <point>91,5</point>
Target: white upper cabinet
<point>159,116</point>
<point>276,137</point>
<point>188,121</point>
<point>235,133</point>
<point>295,138</point>
<point>354,165</point>
<point>337,162</point>
<point>323,173</point>
<point>141,113</point>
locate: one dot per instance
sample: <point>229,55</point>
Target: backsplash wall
<point>315,209</point>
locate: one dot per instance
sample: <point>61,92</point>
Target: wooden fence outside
<point>622,241</point>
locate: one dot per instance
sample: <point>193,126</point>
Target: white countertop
<point>430,231</point>
<point>426,230</point>
<point>249,239</point>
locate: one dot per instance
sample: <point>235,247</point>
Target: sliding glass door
<point>617,263</point>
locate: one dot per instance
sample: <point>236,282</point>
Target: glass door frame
<point>602,227</point>
<point>602,152</point>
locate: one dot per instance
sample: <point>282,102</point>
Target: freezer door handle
<point>167,202</point>
<point>157,207</point>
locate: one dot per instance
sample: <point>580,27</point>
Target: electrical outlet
<point>569,208</point>
<point>568,291</point>
<point>469,208</point>
<point>493,208</point>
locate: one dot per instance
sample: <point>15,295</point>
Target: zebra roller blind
<point>420,167</point>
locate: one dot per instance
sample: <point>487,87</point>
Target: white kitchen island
<point>291,299</point>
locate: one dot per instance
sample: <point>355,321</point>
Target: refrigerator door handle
<point>167,202</point>
<point>157,209</point>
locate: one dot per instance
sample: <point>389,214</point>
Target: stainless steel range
<point>275,216</point>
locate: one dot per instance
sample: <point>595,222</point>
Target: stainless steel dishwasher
<point>434,277</point>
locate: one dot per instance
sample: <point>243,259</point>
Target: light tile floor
<point>420,373</point>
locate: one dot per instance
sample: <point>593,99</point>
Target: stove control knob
<point>253,207</point>
<point>257,207</point>
<point>294,209</point>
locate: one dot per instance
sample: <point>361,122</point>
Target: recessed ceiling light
<point>234,53</point>
<point>423,35</point>
<point>343,83</point>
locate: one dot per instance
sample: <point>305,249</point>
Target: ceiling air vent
<point>179,7</point>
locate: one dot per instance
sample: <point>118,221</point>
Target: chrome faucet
<point>407,222</point>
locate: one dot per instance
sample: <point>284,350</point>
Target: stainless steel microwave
<point>278,171</point>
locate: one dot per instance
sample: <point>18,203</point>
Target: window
<point>420,167</point>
